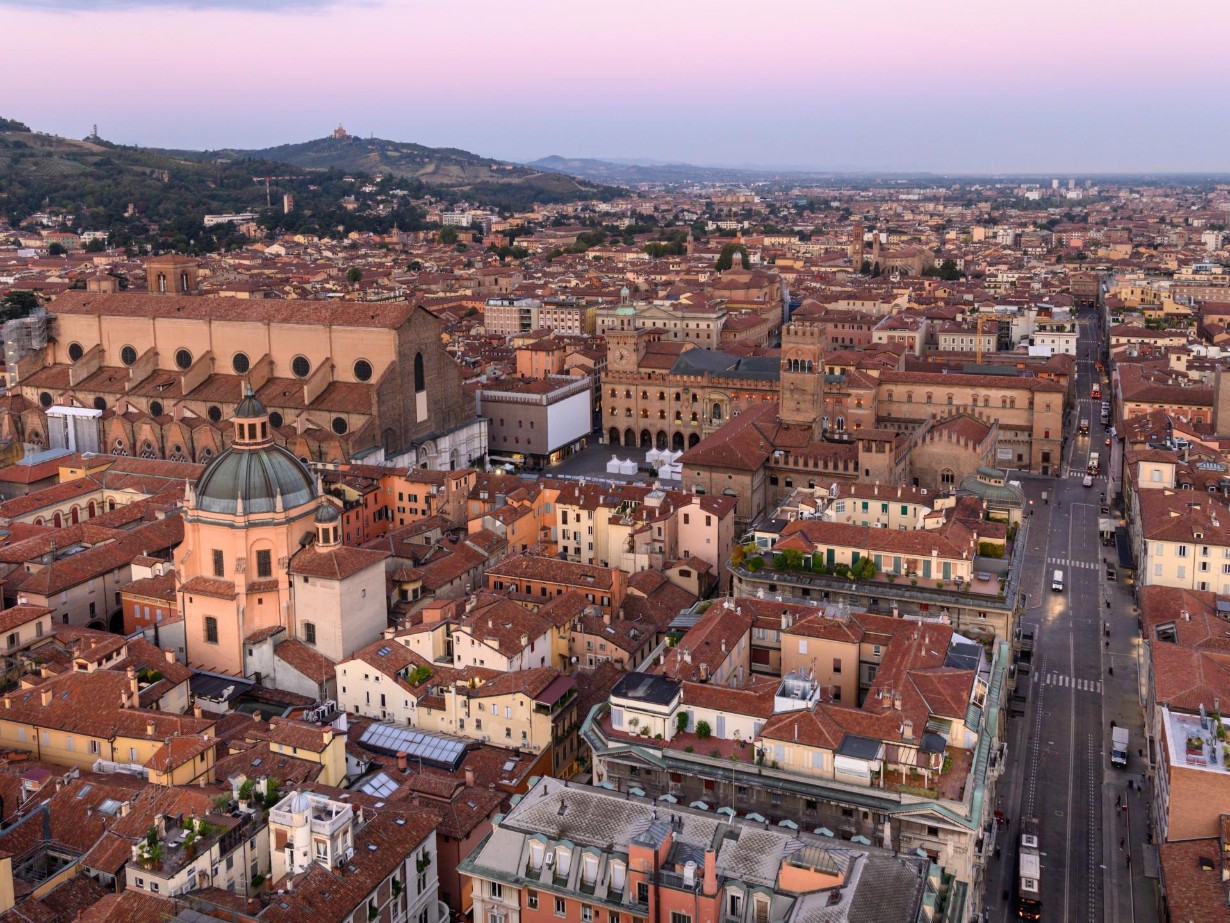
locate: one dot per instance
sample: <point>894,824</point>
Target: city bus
<point>1094,464</point>
<point>1029,873</point>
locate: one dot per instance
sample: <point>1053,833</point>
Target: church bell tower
<point>802,375</point>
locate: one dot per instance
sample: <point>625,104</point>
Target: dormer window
<point>563,861</point>
<point>589,869</point>
<point>537,850</point>
<point>618,873</point>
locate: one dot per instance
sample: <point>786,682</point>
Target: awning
<point>1123,544</point>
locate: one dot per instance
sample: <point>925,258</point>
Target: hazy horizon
<point>955,88</point>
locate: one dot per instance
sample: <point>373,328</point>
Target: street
<point>1083,676</point>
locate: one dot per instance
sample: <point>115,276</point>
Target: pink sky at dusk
<point>1089,85</point>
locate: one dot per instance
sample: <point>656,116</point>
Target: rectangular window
<point>497,890</point>
<point>836,664</point>
<point>309,632</point>
<point>264,563</point>
<point>560,907</point>
<point>219,568</point>
<point>677,917</point>
<point>587,914</point>
<point>531,899</point>
<point>211,630</point>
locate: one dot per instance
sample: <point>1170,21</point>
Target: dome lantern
<point>251,421</point>
<point>328,525</point>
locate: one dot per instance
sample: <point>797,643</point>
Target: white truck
<point>1119,747</point>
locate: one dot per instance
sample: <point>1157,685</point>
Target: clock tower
<point>625,349</point>
<point>802,375</point>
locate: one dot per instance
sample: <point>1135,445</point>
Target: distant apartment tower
<point>288,204</point>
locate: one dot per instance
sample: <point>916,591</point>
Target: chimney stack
<point>469,777</point>
<point>45,697</point>
<point>401,760</point>
<point>710,886</point>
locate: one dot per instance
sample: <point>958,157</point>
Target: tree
<point>726,259</point>
<point>949,271</point>
<point>864,268</point>
<point>354,275</point>
<point>56,249</point>
<point>448,235</point>
<point>95,245</point>
<point>18,304</point>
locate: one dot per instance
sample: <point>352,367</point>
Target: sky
<point>955,86</point>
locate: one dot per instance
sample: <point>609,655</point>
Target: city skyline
<point>1049,89</point>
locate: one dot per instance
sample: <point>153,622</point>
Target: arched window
<point>162,282</point>
<point>909,397</point>
<point>74,515</point>
<point>91,510</point>
<point>183,281</point>
<point>949,400</point>
<point>627,394</point>
<point>1003,402</point>
<point>717,413</point>
<point>111,504</point>
<point>947,476</point>
<point>420,378</point>
<point>928,397</point>
<point>57,520</point>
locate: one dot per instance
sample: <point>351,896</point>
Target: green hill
<point>442,169</point>
<point>158,197</point>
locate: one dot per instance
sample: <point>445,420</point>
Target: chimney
<point>149,729</point>
<point>134,685</point>
<point>326,735</point>
<point>45,696</point>
<point>170,656</point>
<point>897,701</point>
<point>401,760</point>
<point>469,777</point>
<point>711,883</point>
<point>723,645</point>
<point>196,711</point>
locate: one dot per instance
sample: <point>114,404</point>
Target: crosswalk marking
<point>1079,475</point>
<point>1068,562</point>
<point>1072,682</point>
